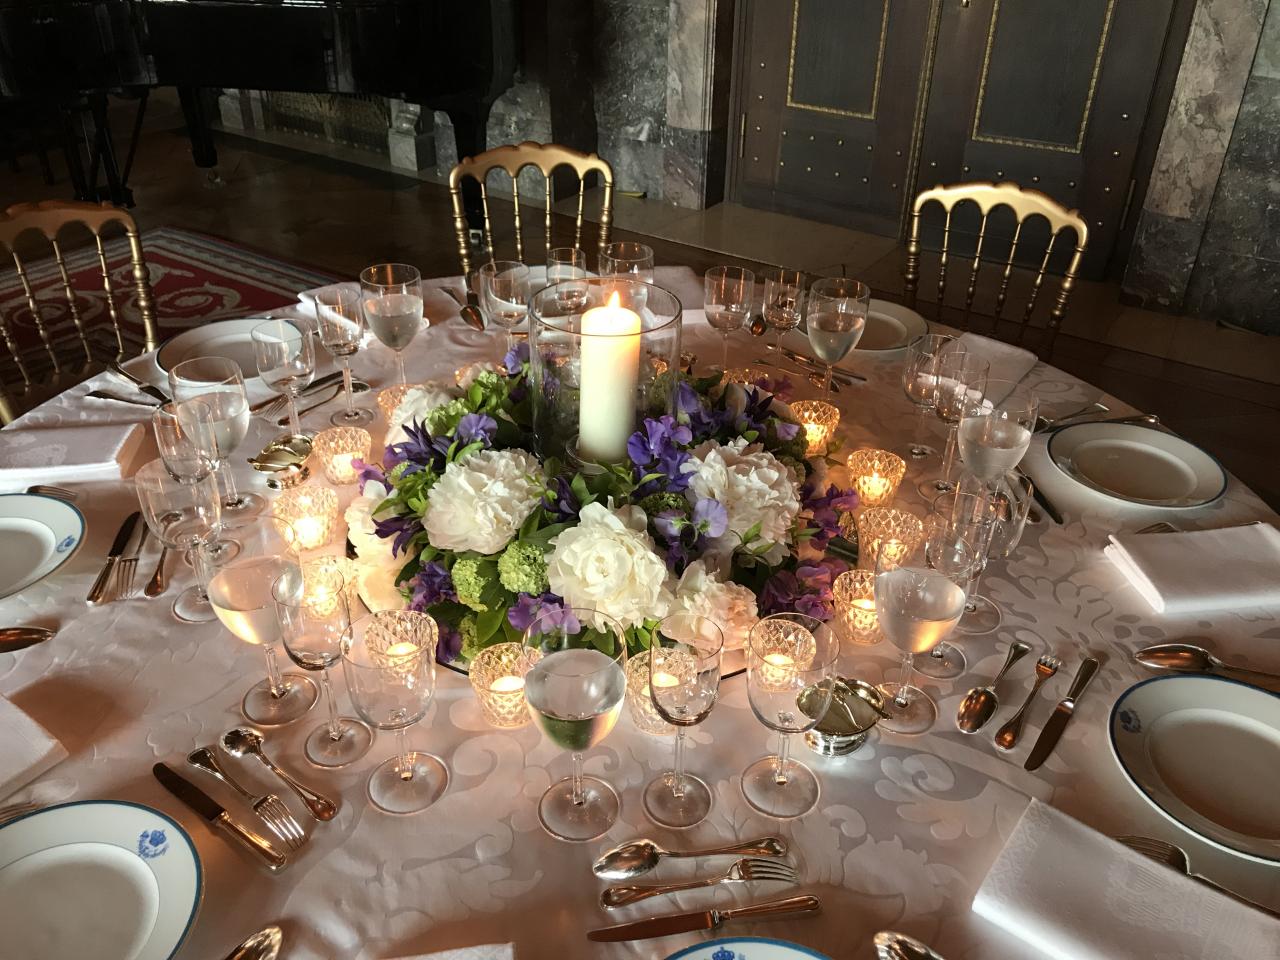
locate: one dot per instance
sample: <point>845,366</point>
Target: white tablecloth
<point>903,834</point>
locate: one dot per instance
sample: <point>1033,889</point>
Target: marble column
<point>699,58</point>
<point>411,141</point>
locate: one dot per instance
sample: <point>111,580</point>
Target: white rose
<point>415,405</point>
<point>377,585</point>
<point>480,502</point>
<point>466,376</point>
<point>754,487</point>
<point>370,547</point>
<point>608,563</point>
<point>731,606</point>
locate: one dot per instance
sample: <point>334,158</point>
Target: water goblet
<point>219,383</point>
<point>836,319</point>
<point>340,318</point>
<point>790,658</point>
<point>392,294</point>
<point>286,357</point>
<point>684,679</point>
<point>185,516</point>
<point>728,293</point>
<point>575,683</point>
<point>184,438</point>
<point>389,659</point>
<point>1010,497</point>
<point>505,290</point>
<point>627,259</point>
<point>783,302</point>
<point>961,388</point>
<point>994,436</point>
<point>919,383</point>
<point>313,625</point>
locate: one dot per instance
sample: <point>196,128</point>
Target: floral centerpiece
<point>716,511</point>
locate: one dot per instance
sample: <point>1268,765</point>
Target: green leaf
<point>752,534</point>
<point>489,622</point>
<point>544,536</point>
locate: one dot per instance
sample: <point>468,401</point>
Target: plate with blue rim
<point>97,878</point>
<point>1205,752</point>
<point>747,948</point>
<point>40,534</point>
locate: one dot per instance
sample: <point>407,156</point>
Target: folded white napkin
<point>492,951</point>
<point>28,749</point>
<point>1007,361</point>
<point>51,454</point>
<point>1201,569</point>
<point>1074,894</point>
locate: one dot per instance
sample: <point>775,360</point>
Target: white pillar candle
<point>610,369</point>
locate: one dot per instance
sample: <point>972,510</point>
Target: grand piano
<point>453,57</point>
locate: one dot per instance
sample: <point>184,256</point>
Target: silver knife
<point>704,919</point>
<point>1063,712</point>
<point>845,376</point>
<point>123,536</point>
<point>149,389</point>
<point>208,808</point>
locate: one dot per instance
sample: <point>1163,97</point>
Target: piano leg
<point>469,135</point>
<point>203,151</point>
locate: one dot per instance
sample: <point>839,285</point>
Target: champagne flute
<point>185,516</point>
<point>574,684</point>
<point>790,661</point>
<point>783,302</point>
<point>919,599</point>
<point>993,437</point>
<point>627,259</point>
<point>567,264</point>
<point>961,388</point>
<point>184,438</point>
<point>684,679</point>
<point>389,659</point>
<point>393,306</point>
<point>837,317</point>
<point>340,318</point>
<point>244,593</point>
<point>313,624</point>
<point>728,293</point>
<point>219,382</point>
<point>286,358</point>
<point>1011,500</point>
<point>504,290</point>
<point>920,383</point>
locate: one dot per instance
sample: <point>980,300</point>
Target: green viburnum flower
<point>441,420</point>
<point>470,579</point>
<point>522,568</point>
<point>470,642</point>
<point>655,503</point>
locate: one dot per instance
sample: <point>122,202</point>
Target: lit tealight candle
<point>876,475</point>
<point>855,604</point>
<point>507,684</point>
<point>400,650</point>
<point>610,372</point>
<point>312,512</point>
<point>819,420</point>
<point>877,525</point>
<point>664,679</point>
<point>496,675</point>
<point>640,699</point>
<point>338,448</point>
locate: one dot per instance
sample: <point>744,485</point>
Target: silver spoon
<point>640,856</point>
<point>17,638</point>
<point>1048,423</point>
<point>980,704</point>
<point>263,945</point>
<point>469,313</point>
<point>898,946</point>
<point>1189,658</point>
<point>247,742</point>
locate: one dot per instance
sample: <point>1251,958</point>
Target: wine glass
<point>340,319</point>
<point>919,599</point>
<point>1010,497</point>
<point>184,438</point>
<point>837,316</point>
<point>920,382</point>
<point>994,436</point>
<point>574,684</point>
<point>790,665</point>
<point>728,293</point>
<point>245,592</point>
<point>286,358</point>
<point>219,382</point>
<point>684,678</point>
<point>504,290</point>
<point>185,516</point>
<point>392,295</point>
<point>566,264</point>
<point>627,259</point>
<point>783,302</point>
<point>313,624</point>
<point>961,388</point>
<point>389,659</point>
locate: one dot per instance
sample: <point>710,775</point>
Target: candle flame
<point>614,299</point>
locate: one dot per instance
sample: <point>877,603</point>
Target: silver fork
<point>16,810</point>
<point>127,570</point>
<point>44,489</point>
<point>270,808</point>
<point>741,871</point>
<point>1173,856</point>
<point>1007,736</point>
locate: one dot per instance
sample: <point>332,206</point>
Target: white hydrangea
<point>481,501</point>
<point>369,547</point>
<point>376,584</point>
<point>731,606</point>
<point>417,403</point>
<point>608,563</point>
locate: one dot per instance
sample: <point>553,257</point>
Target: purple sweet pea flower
<point>710,518</point>
<point>658,440</point>
<point>560,501</point>
<point>476,427</point>
<point>516,358</point>
<point>547,608</point>
<point>805,590</point>
<point>786,430</point>
<point>669,523</point>
<point>366,472</point>
<point>449,644</point>
<point>825,508</point>
<point>431,585</point>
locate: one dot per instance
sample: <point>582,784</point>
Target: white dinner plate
<point>222,338</point>
<point>1137,464</point>
<point>747,948</point>
<point>39,534</point>
<point>1205,752</point>
<point>97,878</point>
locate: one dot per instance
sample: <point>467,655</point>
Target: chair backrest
<point>1025,204</point>
<point>546,158</point>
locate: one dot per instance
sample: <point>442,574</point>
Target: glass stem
<point>826,384</point>
<point>511,341</point>
<point>579,792</point>
<point>200,564</point>
<point>404,758</point>
<point>970,602</point>
<point>400,367</point>
<point>908,671</point>
<point>295,425</point>
<point>917,448</point>
<point>949,459</point>
<point>276,682</point>
<point>335,725</point>
<point>346,385</point>
<point>724,356</point>
<point>780,776</point>
<point>231,496</point>
<point>777,339</point>
<point>677,766</point>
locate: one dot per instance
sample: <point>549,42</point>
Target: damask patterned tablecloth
<point>904,832</point>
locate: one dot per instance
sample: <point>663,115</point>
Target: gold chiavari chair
<point>546,158</point>
<point>1025,204</point>
<point>48,218</point>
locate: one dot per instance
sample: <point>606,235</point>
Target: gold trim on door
<point>982,89</point>
<point>875,89</point>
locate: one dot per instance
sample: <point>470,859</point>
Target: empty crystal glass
<point>184,438</point>
<point>627,259</point>
<point>920,384</point>
<point>185,516</point>
<point>219,383</point>
<point>728,293</point>
<point>568,263</point>
<point>504,291</point>
<point>286,357</point>
<point>340,319</point>
<point>783,302</point>
<point>960,388</point>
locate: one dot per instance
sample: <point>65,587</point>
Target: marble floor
<point>1219,388</point>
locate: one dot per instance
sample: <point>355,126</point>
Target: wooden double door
<point>847,108</point>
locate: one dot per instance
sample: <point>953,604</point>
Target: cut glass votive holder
<point>311,511</point>
<point>639,703</point>
<point>819,420</point>
<point>497,677</point>
<point>876,475</point>
<point>390,398</point>
<point>338,448</point>
<point>877,524</point>
<point>855,603</point>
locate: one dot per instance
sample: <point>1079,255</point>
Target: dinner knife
<point>704,919</point>
<point>1063,712</point>
<point>845,376</point>
<point>149,389</point>
<point>123,536</point>
<point>208,808</point>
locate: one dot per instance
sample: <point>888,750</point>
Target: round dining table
<point>905,829</point>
